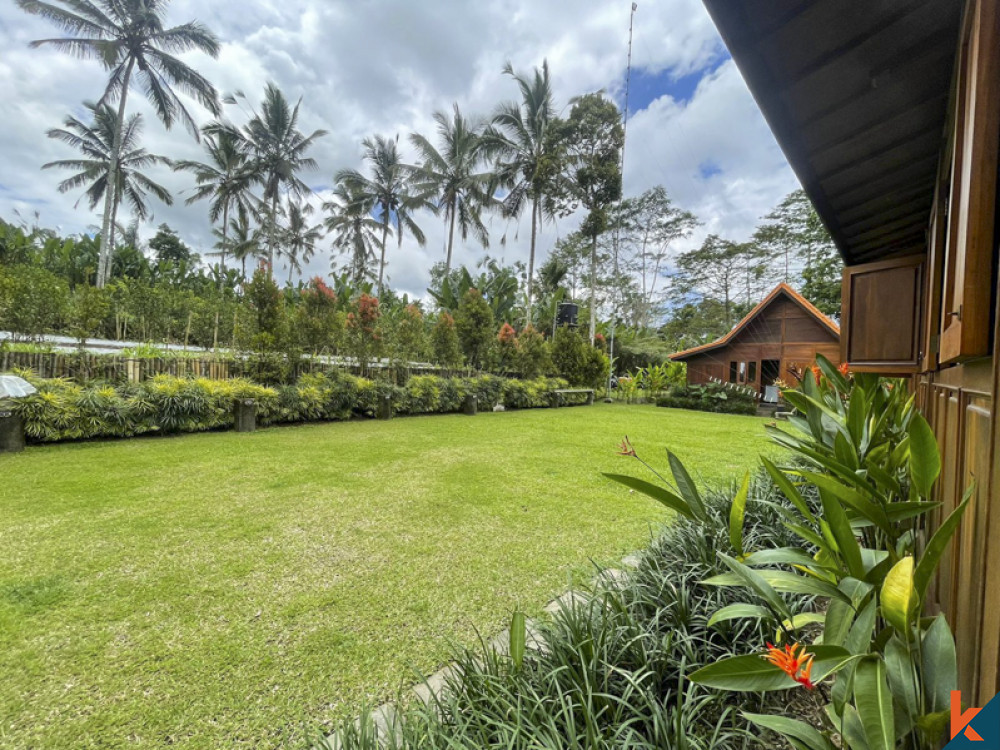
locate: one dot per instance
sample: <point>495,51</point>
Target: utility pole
<point>614,306</point>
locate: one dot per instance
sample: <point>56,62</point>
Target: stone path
<point>386,718</point>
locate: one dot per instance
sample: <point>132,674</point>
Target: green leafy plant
<point>857,492</point>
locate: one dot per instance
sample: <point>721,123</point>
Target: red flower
<point>844,369</point>
<point>816,373</point>
<point>793,661</point>
<point>626,448</point>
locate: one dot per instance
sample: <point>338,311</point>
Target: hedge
<point>63,410</point>
<point>712,397</point>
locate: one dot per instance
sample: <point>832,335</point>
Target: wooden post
<point>590,399</point>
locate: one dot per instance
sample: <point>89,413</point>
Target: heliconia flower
<point>626,448</point>
<point>845,370</point>
<point>816,373</point>
<point>793,661</point>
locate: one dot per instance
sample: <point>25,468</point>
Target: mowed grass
<point>227,590</point>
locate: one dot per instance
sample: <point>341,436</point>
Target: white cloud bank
<point>384,66</point>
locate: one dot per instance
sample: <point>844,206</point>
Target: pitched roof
<point>782,288</point>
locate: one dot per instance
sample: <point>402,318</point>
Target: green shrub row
<point>712,397</point>
<point>63,410</point>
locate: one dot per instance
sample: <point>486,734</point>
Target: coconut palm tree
<point>129,38</point>
<point>390,194</point>
<point>520,140</point>
<point>223,179</point>
<point>94,172</point>
<point>452,175</point>
<point>299,237</point>
<point>278,153</point>
<point>242,239</point>
<point>355,232</point>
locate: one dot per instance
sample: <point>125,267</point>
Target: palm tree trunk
<point>593,288</point>
<point>531,256</point>
<point>271,232</point>
<point>104,255</point>
<point>225,235</point>
<point>385,236</point>
<point>451,237</point>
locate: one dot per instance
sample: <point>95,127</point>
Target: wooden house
<point>778,339</point>
<point>889,113</point>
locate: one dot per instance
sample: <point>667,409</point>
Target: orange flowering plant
<point>857,482</point>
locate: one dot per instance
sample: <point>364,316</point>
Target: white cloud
<point>384,66</point>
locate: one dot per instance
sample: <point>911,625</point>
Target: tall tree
<point>96,142</point>
<point>242,240</point>
<point>355,232</point>
<point>130,39</point>
<point>223,180</point>
<point>712,270</point>
<point>277,154</point>
<point>644,228</point>
<point>522,142</point>
<point>298,237</point>
<point>592,137</point>
<point>390,194</point>
<point>454,177</point>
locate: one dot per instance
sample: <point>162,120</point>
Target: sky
<point>385,66</point>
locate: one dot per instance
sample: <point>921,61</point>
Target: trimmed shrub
<point>63,410</point>
<point>711,397</point>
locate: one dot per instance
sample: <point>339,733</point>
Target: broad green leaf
<point>904,511</point>
<point>935,547</point>
<point>902,676</point>
<point>925,458</point>
<point>686,486</point>
<point>844,450</point>
<point>750,673</point>
<point>859,639</point>
<point>738,611</point>
<point>939,665</point>
<point>806,734</point>
<point>518,638</point>
<point>841,529</point>
<point>874,704</point>
<point>736,513</point>
<point>745,576</point>
<point>900,603</point>
<point>851,498</point>
<point>799,621</point>
<point>833,375</point>
<point>778,580</point>
<point>659,494</point>
<point>782,556</point>
<point>934,725</point>
<point>788,489</point>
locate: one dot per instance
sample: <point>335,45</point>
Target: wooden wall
<point>781,331</point>
<point>959,403</point>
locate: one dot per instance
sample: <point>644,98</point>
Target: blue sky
<point>384,66</point>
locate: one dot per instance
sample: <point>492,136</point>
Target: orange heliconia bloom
<point>816,373</point>
<point>845,369</point>
<point>793,661</point>
<point>626,448</point>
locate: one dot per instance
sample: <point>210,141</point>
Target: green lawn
<point>225,590</point>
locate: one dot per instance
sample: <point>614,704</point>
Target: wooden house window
<point>967,269</point>
<point>733,370</point>
<point>752,373</point>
